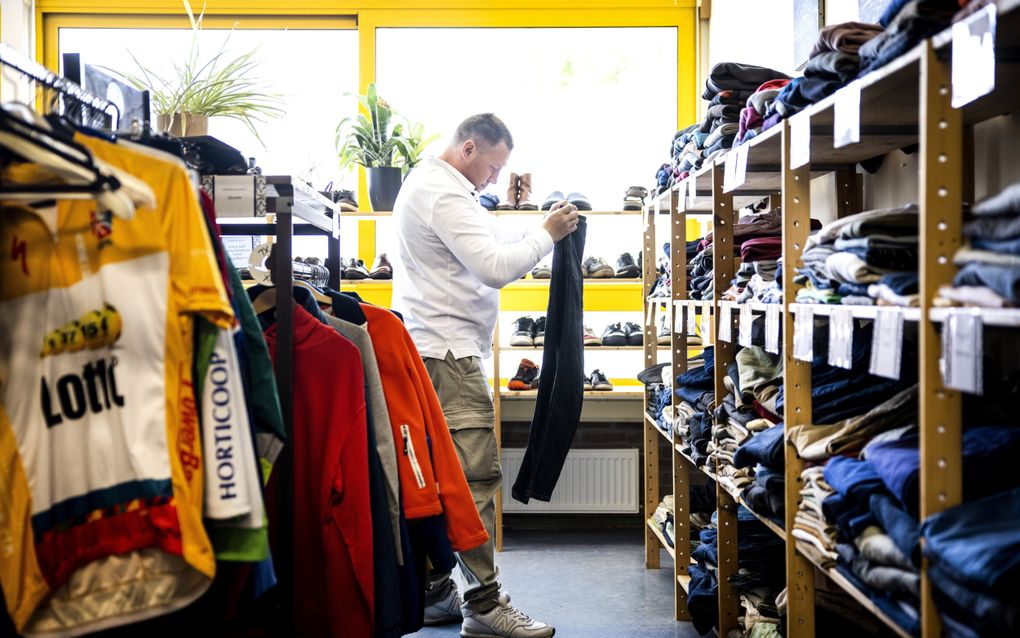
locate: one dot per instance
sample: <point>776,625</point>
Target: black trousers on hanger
<point>561,386</point>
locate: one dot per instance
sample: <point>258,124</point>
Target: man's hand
<point>561,220</point>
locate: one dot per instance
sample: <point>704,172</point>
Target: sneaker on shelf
<point>635,198</point>
<point>597,268</point>
<point>346,201</point>
<point>541,271</point>
<point>540,331</point>
<point>626,267</point>
<point>355,269</point>
<point>524,333</point>
<point>503,621</point>
<point>535,382</point>
<point>614,335</point>
<point>665,335</point>
<point>587,383</point>
<point>527,372</point>
<point>443,607</point>
<point>590,338</point>
<point>634,333</point>
<point>381,269</point>
<point>599,382</point>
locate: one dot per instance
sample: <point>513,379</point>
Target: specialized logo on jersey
<point>93,330</point>
<point>102,226</point>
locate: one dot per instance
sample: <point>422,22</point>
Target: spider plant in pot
<point>200,87</point>
<point>385,147</point>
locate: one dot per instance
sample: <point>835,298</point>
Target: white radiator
<point>592,482</point>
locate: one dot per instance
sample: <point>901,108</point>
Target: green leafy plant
<point>374,138</point>
<point>220,86</point>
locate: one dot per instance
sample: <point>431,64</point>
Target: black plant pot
<point>383,186</point>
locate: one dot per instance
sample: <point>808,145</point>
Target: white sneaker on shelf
<point>503,621</point>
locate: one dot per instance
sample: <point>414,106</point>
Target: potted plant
<point>203,88</point>
<point>385,147</point>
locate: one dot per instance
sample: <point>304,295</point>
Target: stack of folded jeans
<point>702,275</point>
<point>989,272</point>
<point>905,23</point>
<point>752,116</point>
<point>809,525</point>
<point>663,517</point>
<point>659,398</point>
<point>696,388</point>
<point>865,259</point>
<point>728,89</point>
<point>972,551</point>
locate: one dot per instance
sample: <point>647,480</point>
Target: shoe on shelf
<point>346,200</point>
<point>489,201</point>
<point>527,372</point>
<point>635,198</point>
<point>590,338</point>
<point>614,335</point>
<point>587,383</point>
<point>524,333</point>
<point>597,268</point>
<point>524,196</point>
<point>381,269</point>
<point>552,198</point>
<point>535,382</point>
<point>511,193</point>
<point>503,621</point>
<point>665,335</point>
<point>599,382</point>
<point>540,332</point>
<point>579,200</point>
<point>354,270</point>
<point>635,334</point>
<point>626,267</point>
<point>541,271</point>
<point>445,610</point>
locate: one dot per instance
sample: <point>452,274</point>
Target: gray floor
<point>587,584</point>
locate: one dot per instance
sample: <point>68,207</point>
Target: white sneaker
<point>503,621</point>
<point>446,610</point>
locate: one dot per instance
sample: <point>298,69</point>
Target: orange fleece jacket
<point>431,481</point>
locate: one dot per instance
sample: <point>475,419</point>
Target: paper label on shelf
<point>678,319</point>
<point>841,338</point>
<point>746,324</point>
<point>740,170</point>
<point>973,71</point>
<point>846,117</point>
<point>800,140</point>
<point>725,323</point>
<point>804,335</point>
<point>962,351</point>
<point>887,344</point>
<point>692,320</point>
<point>729,171</point>
<point>772,323</point>
<point>706,323</point>
<point>692,190</point>
<point>239,247</point>
<point>234,195</point>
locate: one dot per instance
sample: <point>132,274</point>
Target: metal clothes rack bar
<point>11,58</point>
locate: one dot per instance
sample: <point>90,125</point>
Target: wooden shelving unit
<point>905,103</point>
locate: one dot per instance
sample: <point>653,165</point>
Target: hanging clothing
<point>561,387</point>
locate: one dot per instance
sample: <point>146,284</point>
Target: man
<point>452,259</point>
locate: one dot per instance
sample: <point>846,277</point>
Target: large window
<point>592,110</point>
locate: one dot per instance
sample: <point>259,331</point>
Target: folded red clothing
<point>761,248</point>
<point>773,84</point>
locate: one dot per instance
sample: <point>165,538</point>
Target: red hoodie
<point>332,525</point>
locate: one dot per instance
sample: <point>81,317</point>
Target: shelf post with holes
<point>652,436</point>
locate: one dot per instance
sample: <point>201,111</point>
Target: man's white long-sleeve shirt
<point>453,256</point>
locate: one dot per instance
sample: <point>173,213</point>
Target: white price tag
<point>973,71</point>
<point>706,324</point>
<point>692,190</point>
<point>725,323</point>
<point>804,335</point>
<point>846,118</point>
<point>729,171</point>
<point>800,140</point>
<point>841,338</point>
<point>962,352</point>
<point>692,321</point>
<point>772,323</point>
<point>887,344</point>
<point>740,170</point>
<point>746,325</point>
<point>678,319</point>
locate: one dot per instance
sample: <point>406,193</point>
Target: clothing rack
<point>12,59</point>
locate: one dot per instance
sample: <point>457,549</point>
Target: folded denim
<point>973,296</point>
<point>879,548</point>
<point>703,598</point>
<point>820,442</point>
<point>1004,203</point>
<point>889,257</point>
<point>736,76</point>
<point>904,614</point>
<point>970,613</point>
<point>967,255</point>
<point>987,453</point>
<point>833,65</point>
<point>899,221</point>
<point>993,228</point>
<point>886,296</point>
<point>802,92</point>
<point>846,36</point>
<point>764,447</point>
<point>894,580</point>
<point>849,268</point>
<point>898,524</point>
<point>1006,246</point>
<point>755,366</point>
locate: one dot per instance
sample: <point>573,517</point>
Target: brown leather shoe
<point>381,269</point>
<point>524,199</point>
<point>512,193</point>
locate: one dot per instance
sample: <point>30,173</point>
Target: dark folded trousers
<point>561,388</point>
